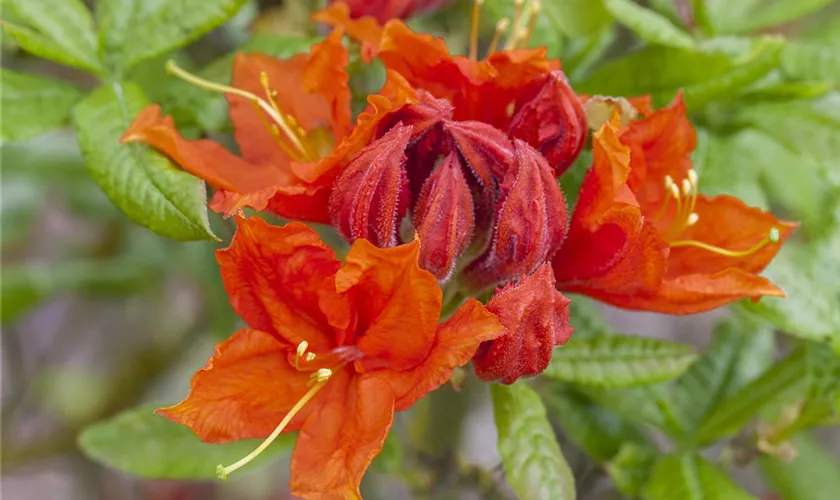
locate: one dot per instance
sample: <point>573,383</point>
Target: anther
<point>692,219</point>
<point>686,187</point>
<point>320,378</point>
<point>476,16</point>
<point>300,352</point>
<point>501,27</point>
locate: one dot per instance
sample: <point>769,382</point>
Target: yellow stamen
<point>517,15</point>
<point>668,183</point>
<point>476,15</point>
<point>172,67</point>
<point>321,377</point>
<point>536,7</point>
<point>301,351</point>
<point>773,237</point>
<point>501,27</point>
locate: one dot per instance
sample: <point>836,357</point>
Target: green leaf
<point>146,186</point>
<point>631,468</point>
<point>779,383</point>
<point>778,12</point>
<point>649,25</point>
<point>690,477</point>
<point>647,404</point>
<point>24,286</point>
<point>806,60</point>
<point>619,361</point>
<point>586,318</point>
<point>577,18</point>
<point>32,105</point>
<point>716,69</point>
<point>142,443</point>
<point>813,475</point>
<point>597,431</point>
<point>740,351</point>
<point>59,30</point>
<point>131,31</point>
<point>194,105</point>
<point>809,276</point>
<point>729,165</point>
<point>788,91</point>
<point>534,464</point>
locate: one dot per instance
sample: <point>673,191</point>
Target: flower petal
<point>536,319</point>
<point>203,158</point>
<point>361,27</point>
<point>727,222</point>
<point>244,391</point>
<point>456,342</point>
<point>695,293</point>
<point>276,278</point>
<point>398,302</point>
<point>337,444</point>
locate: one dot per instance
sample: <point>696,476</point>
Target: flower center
<point>317,380</point>
<point>522,26</point>
<point>684,196</point>
<point>290,136</point>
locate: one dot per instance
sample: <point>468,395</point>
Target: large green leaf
<point>809,276</point>
<point>729,164</point>
<point>24,286</point>
<point>690,477</point>
<point>145,444</point>
<point>649,25</point>
<point>740,351</point>
<point>645,404</point>
<point>194,105</point>
<point>813,475</point>
<point>535,466</point>
<point>619,361</point>
<point>716,69</point>
<point>32,105</point>
<point>59,30</point>
<point>776,12</point>
<point>596,430</point>
<point>131,31</point>
<point>782,382</point>
<point>630,469</point>
<point>146,186</point>
<point>807,60</point>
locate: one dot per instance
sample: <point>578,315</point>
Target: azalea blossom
<point>292,124</point>
<point>330,350</point>
<point>642,237</point>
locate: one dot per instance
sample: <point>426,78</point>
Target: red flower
<point>292,124</point>
<point>383,10</point>
<point>519,91</point>
<point>330,351</point>
<point>641,236</point>
<point>536,320</point>
<point>497,196</point>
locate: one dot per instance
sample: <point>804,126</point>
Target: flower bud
<point>370,196</point>
<point>530,222</point>
<point>444,218</point>
<point>536,319</point>
<point>553,121</point>
<point>486,150</point>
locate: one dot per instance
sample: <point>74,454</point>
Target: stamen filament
<point>172,67</point>
<point>534,15</point>
<point>772,237</point>
<point>476,16</point>
<point>517,15</point>
<point>501,27</point>
<point>668,183</point>
<point>322,376</point>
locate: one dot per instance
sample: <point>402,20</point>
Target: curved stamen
<point>501,27</point>
<point>476,16</point>
<point>517,15</point>
<point>321,377</point>
<point>773,237</point>
<point>172,67</point>
<point>536,8</point>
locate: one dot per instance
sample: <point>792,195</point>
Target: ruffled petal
<point>727,222</point>
<point>696,293</point>
<point>244,391</point>
<point>360,27</point>
<point>398,302</point>
<point>203,158</point>
<point>456,342</point>
<point>337,444</point>
<point>276,276</point>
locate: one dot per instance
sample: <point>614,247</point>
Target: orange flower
<point>330,351</point>
<point>292,124</point>
<point>641,237</point>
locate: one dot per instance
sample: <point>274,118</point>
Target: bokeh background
<point>100,315</point>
